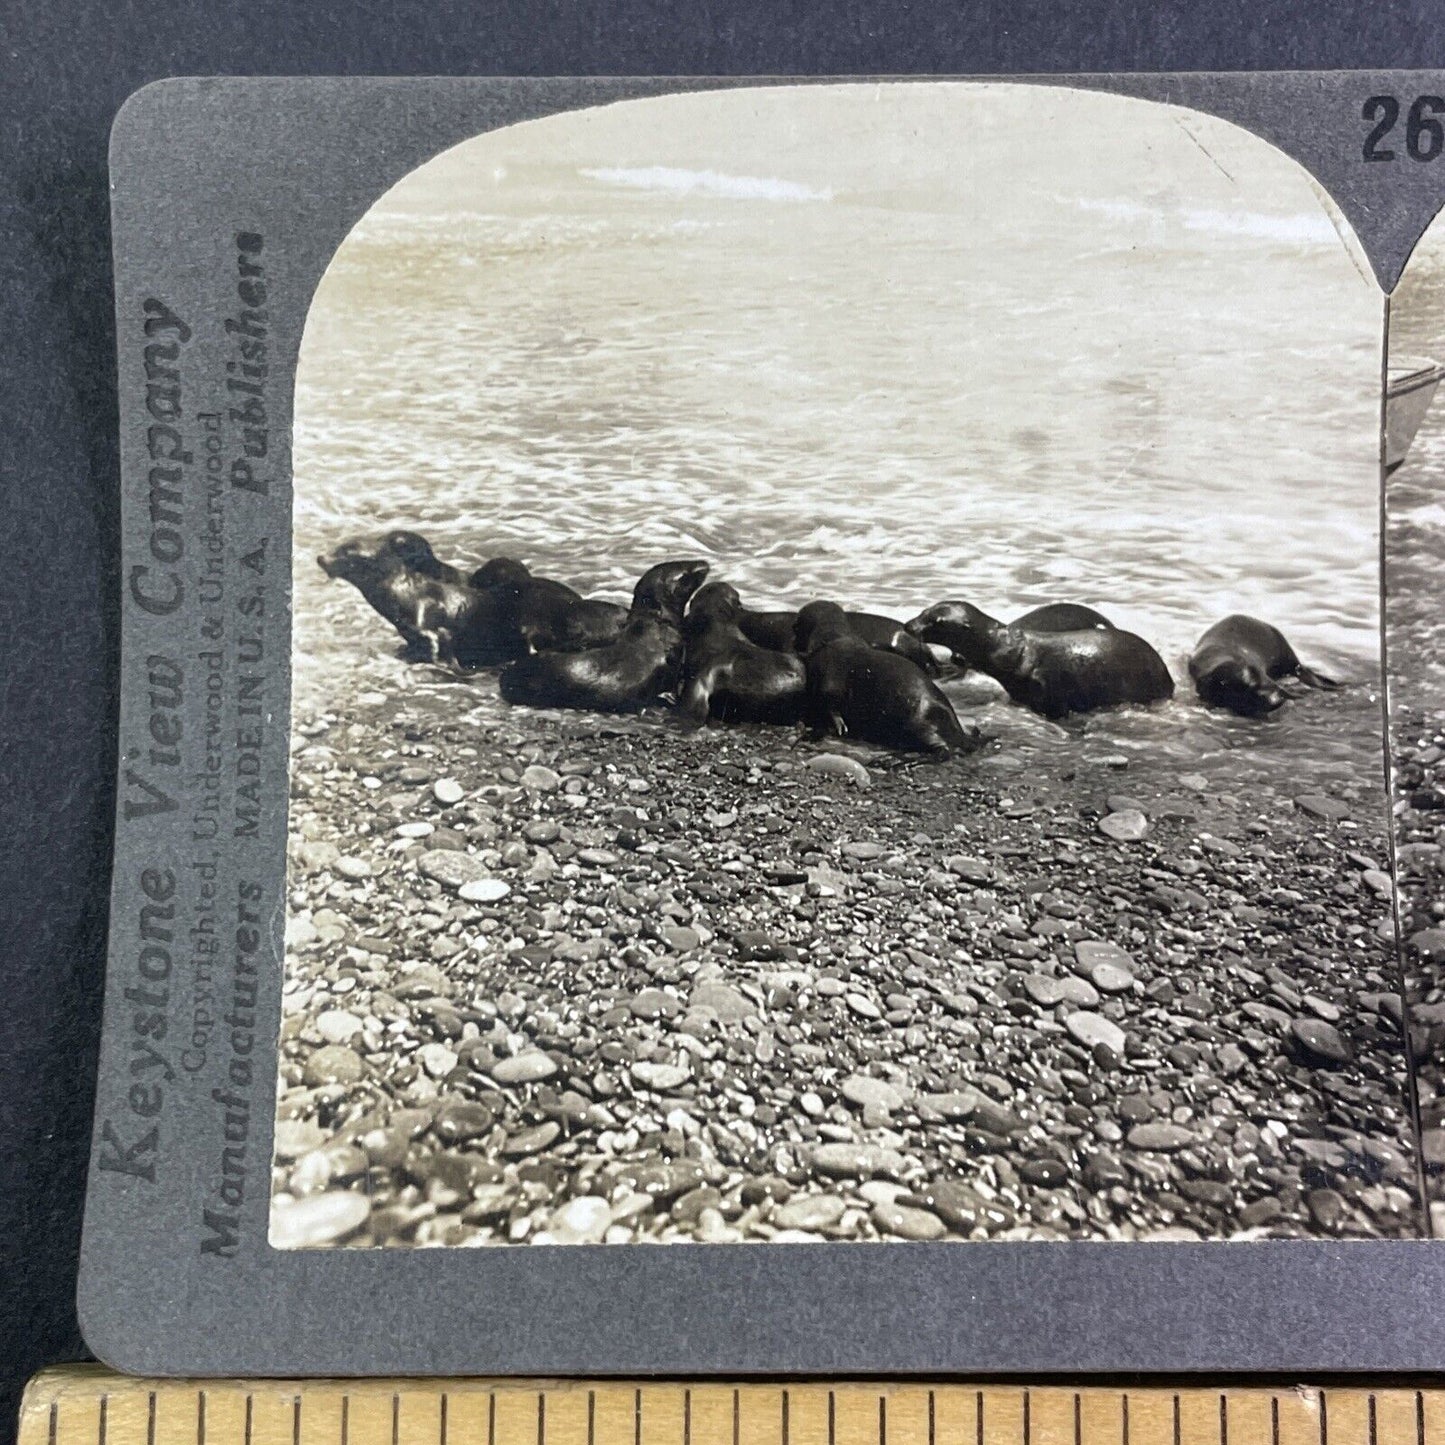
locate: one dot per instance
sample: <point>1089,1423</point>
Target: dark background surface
<point>64,70</point>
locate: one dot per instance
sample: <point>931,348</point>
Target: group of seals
<point>845,673</point>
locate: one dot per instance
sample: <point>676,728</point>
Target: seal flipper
<point>1311,678</point>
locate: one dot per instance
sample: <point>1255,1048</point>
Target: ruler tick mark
<point>1177,1431</point>
<point>1373,1436</point>
<point>54,1420</point>
<point>492,1421</point>
<point>591,1417</point>
<point>200,1417</point>
<point>395,1419</point>
<point>541,1418</point>
<point>882,1420</point>
<point>786,1423</point>
<point>1223,1420</point>
<point>1124,1417</point>
<point>737,1411</point>
<point>1028,1418</point>
<point>104,1422</point>
<point>687,1419</point>
<point>296,1420</point>
<point>345,1419</point>
<point>444,1418</point>
<point>1324,1417</point>
<point>1419,1417</point>
<point>636,1418</point>
<point>150,1419</point>
<point>832,1418</point>
<point>250,1404</point>
<point>1078,1420</point>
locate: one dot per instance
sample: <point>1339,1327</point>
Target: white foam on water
<point>678,181</point>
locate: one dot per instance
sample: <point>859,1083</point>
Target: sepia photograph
<point>837,687</point>
<point>1414,550</point>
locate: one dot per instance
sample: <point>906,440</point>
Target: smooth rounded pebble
<point>334,1064</point>
<point>336,1025</point>
<point>447,791</point>
<point>1320,1042</point>
<point>1164,1137</point>
<point>1091,1029</point>
<point>811,1212</point>
<point>1128,825</point>
<point>868,1092</point>
<point>526,1068</point>
<point>581,1221</point>
<point>908,1223</point>
<point>660,1077</point>
<point>1110,978</point>
<point>484,890</point>
<point>838,766</point>
<point>856,1161</point>
<point>295,1137</point>
<point>319,1220</point>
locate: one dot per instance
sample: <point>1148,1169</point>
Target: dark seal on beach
<point>1061,617</point>
<point>870,693</point>
<point>625,675</point>
<point>729,677</point>
<point>547,615</point>
<point>439,617</point>
<point>1053,673</point>
<point>777,630</point>
<point>1238,662</point>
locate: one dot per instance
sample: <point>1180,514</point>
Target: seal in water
<point>627,674</point>
<point>729,677</point>
<point>1237,664</point>
<point>439,617</point>
<point>547,615</point>
<point>1054,673</point>
<point>777,630</point>
<point>1061,617</point>
<point>870,693</point>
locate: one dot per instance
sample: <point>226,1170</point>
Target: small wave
<point>678,181</point>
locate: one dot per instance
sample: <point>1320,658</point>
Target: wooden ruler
<point>87,1405</point>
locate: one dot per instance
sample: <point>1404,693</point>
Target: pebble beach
<point>555,979</point>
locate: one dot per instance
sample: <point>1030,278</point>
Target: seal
<point>777,630</point>
<point>1053,673</point>
<point>547,615</point>
<point>439,617</point>
<point>1238,662</point>
<point>627,674</point>
<point>1061,617</point>
<point>871,693</point>
<point>728,677</point>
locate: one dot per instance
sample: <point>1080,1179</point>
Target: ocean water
<point>1415,497</point>
<point>1151,386</point>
